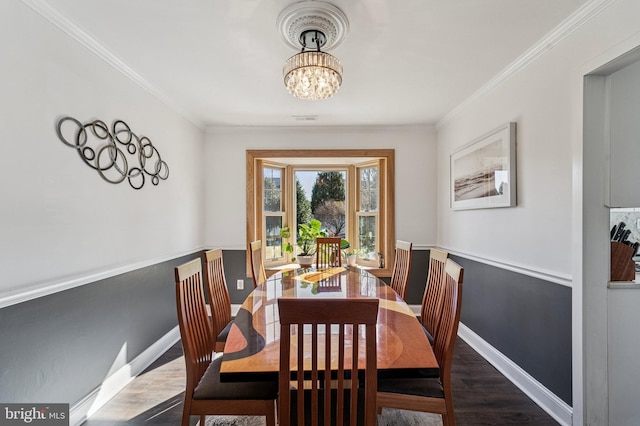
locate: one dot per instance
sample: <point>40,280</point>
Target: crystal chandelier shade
<point>311,25</point>
<point>312,75</point>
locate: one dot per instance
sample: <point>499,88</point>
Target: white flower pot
<point>305,260</point>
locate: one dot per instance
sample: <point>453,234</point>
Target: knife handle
<point>619,232</point>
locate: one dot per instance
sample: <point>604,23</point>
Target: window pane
<point>273,245</point>
<point>304,185</point>
<point>369,189</point>
<point>272,190</point>
<point>321,195</point>
<point>367,236</point>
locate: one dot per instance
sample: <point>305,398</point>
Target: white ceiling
<point>405,61</point>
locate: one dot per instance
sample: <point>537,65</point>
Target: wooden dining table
<point>252,349</point>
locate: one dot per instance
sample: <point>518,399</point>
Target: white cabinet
<point>624,137</point>
<point>623,308</point>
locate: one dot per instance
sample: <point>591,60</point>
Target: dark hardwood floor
<point>482,395</point>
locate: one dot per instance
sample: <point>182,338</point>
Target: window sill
<point>378,272</point>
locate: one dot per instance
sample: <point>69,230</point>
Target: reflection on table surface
<point>252,347</point>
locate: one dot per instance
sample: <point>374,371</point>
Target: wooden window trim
<point>379,213</point>
<point>254,164</point>
<point>260,213</point>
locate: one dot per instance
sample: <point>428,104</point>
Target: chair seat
<point>426,387</point>
<point>222,337</point>
<point>423,373</point>
<point>210,387</point>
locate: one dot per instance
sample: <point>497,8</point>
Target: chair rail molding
<point>551,276</point>
<point>41,289</point>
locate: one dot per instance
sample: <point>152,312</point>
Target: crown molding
<point>43,8</point>
<point>583,15</point>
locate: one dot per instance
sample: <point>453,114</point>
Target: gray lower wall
<point>527,319</point>
<point>59,348</point>
<point>235,269</point>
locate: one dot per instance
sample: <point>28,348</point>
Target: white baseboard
<point>113,384</point>
<point>547,400</point>
<point>235,308</point>
<point>416,309</point>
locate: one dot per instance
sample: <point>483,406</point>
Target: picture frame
<point>483,172</point>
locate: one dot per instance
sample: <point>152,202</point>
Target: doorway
<point>609,356</point>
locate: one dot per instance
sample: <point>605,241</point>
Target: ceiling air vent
<point>305,117</point>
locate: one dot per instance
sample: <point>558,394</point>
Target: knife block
<point>623,268</point>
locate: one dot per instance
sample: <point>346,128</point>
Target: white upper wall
<point>60,219</point>
<point>415,177</point>
<point>545,101</point>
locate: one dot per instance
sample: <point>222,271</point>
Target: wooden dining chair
<point>322,331</point>
<point>432,395</point>
<point>219,301</point>
<point>431,307</point>
<point>205,394</point>
<point>257,265</point>
<point>401,268</point>
<point>328,252</point>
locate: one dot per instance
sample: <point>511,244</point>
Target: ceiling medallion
<point>309,26</point>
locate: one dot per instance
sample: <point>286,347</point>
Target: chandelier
<point>312,75</point>
<point>311,25</point>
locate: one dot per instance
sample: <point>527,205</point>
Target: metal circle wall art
<point>117,153</point>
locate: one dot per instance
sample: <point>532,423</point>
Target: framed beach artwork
<point>483,172</point>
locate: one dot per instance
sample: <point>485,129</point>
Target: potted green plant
<point>351,256</point>
<point>347,252</point>
<point>306,241</point>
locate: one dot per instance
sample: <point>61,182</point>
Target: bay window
<point>349,191</point>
